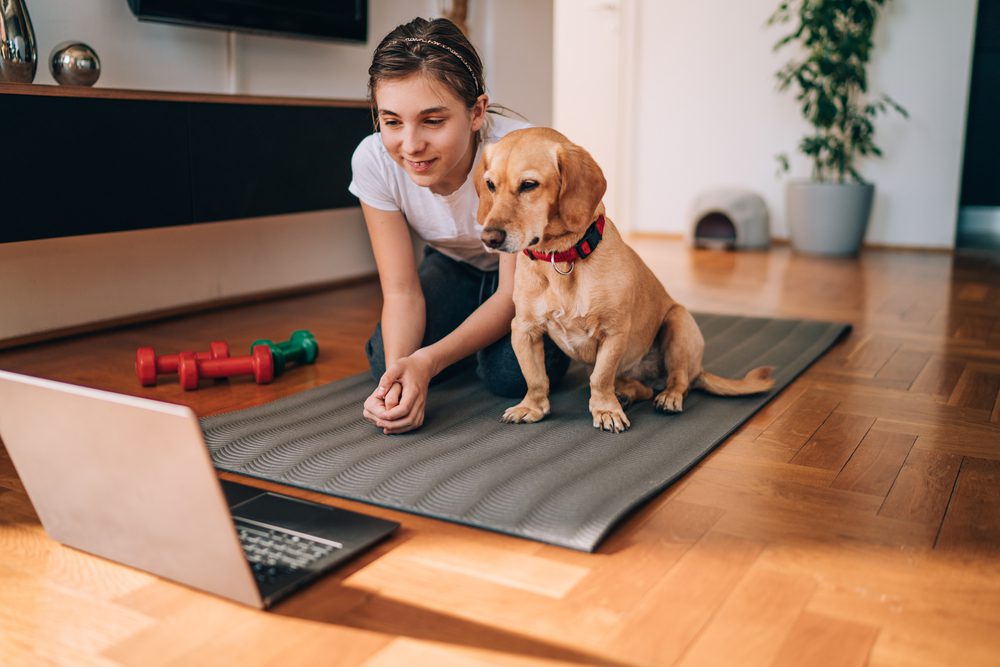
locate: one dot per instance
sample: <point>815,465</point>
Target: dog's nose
<point>493,237</point>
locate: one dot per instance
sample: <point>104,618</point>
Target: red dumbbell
<point>148,365</point>
<point>191,370</point>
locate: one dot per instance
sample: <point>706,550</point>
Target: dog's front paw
<point>670,402</point>
<point>523,414</point>
<point>613,420</point>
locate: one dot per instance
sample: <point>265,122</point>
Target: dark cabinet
<point>78,165</point>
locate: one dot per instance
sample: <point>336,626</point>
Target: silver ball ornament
<point>74,64</point>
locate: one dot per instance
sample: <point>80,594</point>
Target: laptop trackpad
<point>330,523</point>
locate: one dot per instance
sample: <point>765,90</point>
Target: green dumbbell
<point>301,348</point>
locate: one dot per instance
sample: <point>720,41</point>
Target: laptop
<point>130,479</point>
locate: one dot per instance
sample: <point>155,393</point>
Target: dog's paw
<point>523,414</point>
<point>614,421</point>
<point>669,402</point>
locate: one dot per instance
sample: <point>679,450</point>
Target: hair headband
<point>450,50</point>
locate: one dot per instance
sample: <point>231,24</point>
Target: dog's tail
<point>756,381</point>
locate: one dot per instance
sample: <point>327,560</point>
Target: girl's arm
<point>487,324</point>
<point>403,311</point>
<point>412,374</point>
<point>403,308</point>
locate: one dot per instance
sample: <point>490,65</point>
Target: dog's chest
<point>570,325</point>
<point>575,341</point>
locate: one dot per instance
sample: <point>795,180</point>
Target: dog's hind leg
<point>683,347</point>
<point>671,399</point>
<point>629,391</point>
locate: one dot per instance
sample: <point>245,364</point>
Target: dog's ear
<point>581,186</point>
<point>485,196</point>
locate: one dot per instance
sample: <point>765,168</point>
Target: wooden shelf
<point>48,90</point>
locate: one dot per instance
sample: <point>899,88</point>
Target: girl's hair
<point>435,47</point>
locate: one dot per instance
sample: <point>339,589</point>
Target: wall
<point>706,111</point>
<point>590,82</point>
<point>158,56</point>
<point>514,39</point>
<point>54,284</point>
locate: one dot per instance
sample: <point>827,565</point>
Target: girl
<point>428,95</point>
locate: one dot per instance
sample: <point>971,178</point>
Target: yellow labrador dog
<point>577,280</point>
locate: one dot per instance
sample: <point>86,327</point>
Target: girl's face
<point>428,130</point>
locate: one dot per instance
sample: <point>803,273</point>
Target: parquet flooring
<point>855,520</point>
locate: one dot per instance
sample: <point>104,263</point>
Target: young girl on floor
<point>429,99</point>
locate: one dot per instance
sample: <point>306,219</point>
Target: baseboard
<point>663,236</point>
<point>779,241</point>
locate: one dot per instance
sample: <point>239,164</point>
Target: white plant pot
<point>828,218</point>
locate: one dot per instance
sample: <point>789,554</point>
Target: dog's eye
<point>527,186</point>
<point>490,186</point>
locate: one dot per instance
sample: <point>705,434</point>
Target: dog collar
<point>584,246</point>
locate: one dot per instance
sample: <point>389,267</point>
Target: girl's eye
<point>490,186</point>
<point>434,121</point>
<point>388,122</point>
<point>527,186</point>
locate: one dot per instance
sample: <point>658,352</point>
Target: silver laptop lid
<point>126,478</point>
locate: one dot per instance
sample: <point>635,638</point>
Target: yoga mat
<point>559,481</point>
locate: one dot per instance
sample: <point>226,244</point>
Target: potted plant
<point>829,214</point>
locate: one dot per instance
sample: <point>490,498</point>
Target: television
<point>316,19</point>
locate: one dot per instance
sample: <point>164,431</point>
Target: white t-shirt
<point>446,222</point>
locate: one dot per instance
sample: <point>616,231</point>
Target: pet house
<point>730,218</point>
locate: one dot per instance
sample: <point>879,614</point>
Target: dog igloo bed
<point>730,218</point>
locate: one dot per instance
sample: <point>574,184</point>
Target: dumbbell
<point>148,365</point>
<point>301,348</point>
<point>191,370</point>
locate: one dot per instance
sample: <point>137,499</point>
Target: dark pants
<point>452,290</point>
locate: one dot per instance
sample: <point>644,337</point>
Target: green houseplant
<point>829,214</point>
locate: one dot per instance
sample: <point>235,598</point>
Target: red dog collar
<point>583,248</point>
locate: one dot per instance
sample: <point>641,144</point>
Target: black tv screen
<point>318,19</point>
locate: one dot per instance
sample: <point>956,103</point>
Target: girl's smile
<point>422,166</point>
<point>428,130</point>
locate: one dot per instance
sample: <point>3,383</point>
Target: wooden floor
<point>853,521</point>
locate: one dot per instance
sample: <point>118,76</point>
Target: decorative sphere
<point>74,64</point>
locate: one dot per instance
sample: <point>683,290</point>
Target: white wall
<point>158,56</point>
<point>706,111</point>
<point>588,84</point>
<point>514,39</point>
<point>58,283</point>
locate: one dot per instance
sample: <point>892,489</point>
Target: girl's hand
<point>397,405</point>
<point>380,401</point>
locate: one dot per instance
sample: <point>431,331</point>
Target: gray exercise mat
<point>559,481</point>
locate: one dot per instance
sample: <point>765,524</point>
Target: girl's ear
<point>479,112</point>
<point>581,186</point>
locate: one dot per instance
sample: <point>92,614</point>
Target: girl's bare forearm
<point>403,323</point>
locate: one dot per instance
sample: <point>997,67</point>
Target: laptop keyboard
<point>274,553</point>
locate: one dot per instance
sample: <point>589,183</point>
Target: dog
<point>579,282</point>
